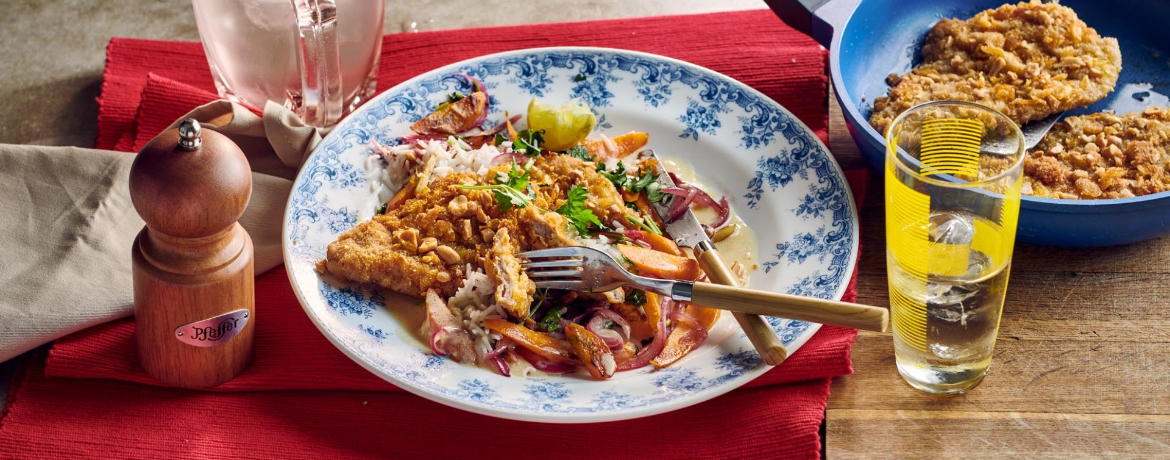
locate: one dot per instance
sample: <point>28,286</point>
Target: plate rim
<point>561,418</point>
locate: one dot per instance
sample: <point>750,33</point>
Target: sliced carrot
<point>684,338</point>
<point>662,243</point>
<point>661,265</point>
<point>547,347</point>
<point>643,204</point>
<point>705,316</point>
<point>403,194</point>
<point>640,326</point>
<point>653,308</point>
<point>592,351</point>
<point>616,147</point>
<point>456,117</point>
<point>626,353</point>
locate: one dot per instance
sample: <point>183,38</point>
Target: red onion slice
<point>656,345</point>
<point>501,366</point>
<point>690,194</point>
<point>518,157</point>
<point>682,317</point>
<point>437,337</point>
<point>501,346</point>
<point>474,82</point>
<point>616,318</point>
<point>612,338</point>
<point>548,367</point>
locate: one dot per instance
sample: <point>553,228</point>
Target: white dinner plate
<point>778,176</point>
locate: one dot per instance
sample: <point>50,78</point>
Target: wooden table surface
<point>1078,371</point>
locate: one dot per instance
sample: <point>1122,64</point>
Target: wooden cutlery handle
<point>761,335</point>
<point>791,306</point>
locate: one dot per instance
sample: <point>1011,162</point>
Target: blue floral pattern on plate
<point>779,178</point>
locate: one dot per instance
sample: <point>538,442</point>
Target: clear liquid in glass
<point>962,315</point>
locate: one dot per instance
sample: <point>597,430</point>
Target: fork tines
<point>555,268</point>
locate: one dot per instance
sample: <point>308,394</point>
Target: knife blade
<point>687,232</point>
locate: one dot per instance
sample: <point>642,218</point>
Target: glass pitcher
<point>316,57</point>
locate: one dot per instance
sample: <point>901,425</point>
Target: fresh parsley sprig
<point>579,216</point>
<point>511,190</point>
<point>552,319</point>
<point>528,142</point>
<point>579,152</point>
<point>618,176</point>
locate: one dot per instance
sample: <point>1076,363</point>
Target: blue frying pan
<point>871,39</point>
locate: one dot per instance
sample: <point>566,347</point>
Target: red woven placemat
<point>332,408</point>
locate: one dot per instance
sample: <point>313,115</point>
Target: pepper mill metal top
<point>190,134</point>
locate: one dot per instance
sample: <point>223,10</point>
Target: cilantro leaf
<point>575,211</point>
<point>510,190</point>
<point>618,177</point>
<point>455,97</point>
<point>552,319</point>
<point>642,182</point>
<point>654,192</point>
<point>528,142</point>
<point>579,152</point>
<point>579,77</point>
<point>500,139</point>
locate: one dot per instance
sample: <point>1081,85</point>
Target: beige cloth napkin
<point>67,223</point>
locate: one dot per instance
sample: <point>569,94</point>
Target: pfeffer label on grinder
<point>214,330</point>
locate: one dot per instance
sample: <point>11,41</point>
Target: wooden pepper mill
<point>194,297</point>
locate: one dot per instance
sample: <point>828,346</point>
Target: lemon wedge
<point>564,126</point>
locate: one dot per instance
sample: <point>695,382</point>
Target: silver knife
<point>688,233</point>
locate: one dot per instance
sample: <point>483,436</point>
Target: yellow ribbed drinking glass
<point>953,175</point>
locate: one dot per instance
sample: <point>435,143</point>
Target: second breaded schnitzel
<point>1027,61</point>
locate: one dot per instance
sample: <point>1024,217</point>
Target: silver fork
<point>585,269</point>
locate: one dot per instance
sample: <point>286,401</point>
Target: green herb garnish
<point>654,192</point>
<point>552,320</point>
<point>579,216</point>
<point>500,139</point>
<point>636,298</point>
<point>543,295</point>
<point>579,77</point>
<point>608,324</point>
<point>528,142</point>
<point>511,190</point>
<point>646,223</point>
<point>381,209</point>
<point>454,97</point>
<point>642,182</point>
<point>618,177</point>
<point>579,152</point>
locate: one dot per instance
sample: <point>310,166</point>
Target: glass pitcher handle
<point>320,61</point>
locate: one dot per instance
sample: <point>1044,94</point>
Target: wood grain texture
<point>910,434</point>
<point>793,307</point>
<point>1078,370</point>
<point>193,261</point>
<point>759,333</point>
